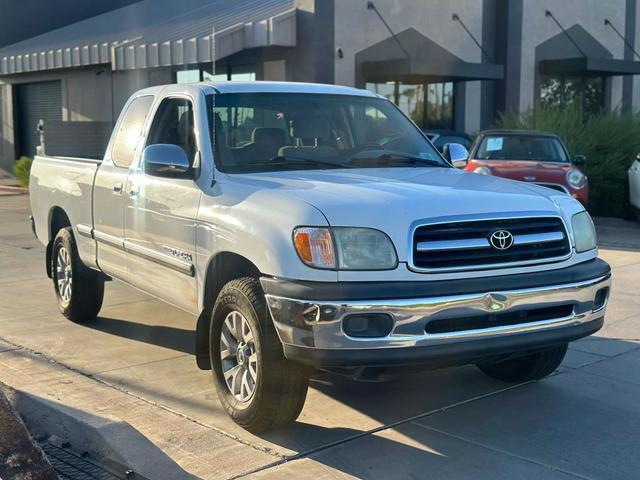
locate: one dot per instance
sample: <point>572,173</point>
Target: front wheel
<point>528,367</point>
<point>257,386</point>
<point>79,290</point>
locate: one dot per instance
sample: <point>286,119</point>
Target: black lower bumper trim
<point>437,356</point>
<point>344,291</point>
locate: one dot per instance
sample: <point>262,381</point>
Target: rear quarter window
<point>124,146</point>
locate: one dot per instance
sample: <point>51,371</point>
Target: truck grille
<point>471,245</point>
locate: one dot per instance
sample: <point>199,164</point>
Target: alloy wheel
<point>64,275</point>
<point>239,356</point>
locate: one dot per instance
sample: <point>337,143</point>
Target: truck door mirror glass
<point>456,154</point>
<point>579,160</point>
<point>166,160</point>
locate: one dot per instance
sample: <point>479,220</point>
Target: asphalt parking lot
<point>137,360</point>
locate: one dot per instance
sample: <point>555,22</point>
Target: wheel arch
<point>221,268</point>
<point>58,219</point>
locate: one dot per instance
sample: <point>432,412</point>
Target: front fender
<point>258,227</point>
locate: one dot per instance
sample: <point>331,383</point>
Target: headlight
<point>482,170</point>
<point>355,248</point>
<point>575,178</point>
<point>364,249</point>
<point>584,233</point>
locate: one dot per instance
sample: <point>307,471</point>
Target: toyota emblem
<point>501,239</point>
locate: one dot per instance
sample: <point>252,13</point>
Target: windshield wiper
<point>391,156</point>
<point>288,160</point>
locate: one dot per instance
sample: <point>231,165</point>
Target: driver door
<point>160,214</point>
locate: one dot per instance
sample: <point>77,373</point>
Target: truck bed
<point>64,183</point>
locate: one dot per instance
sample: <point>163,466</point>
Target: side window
<point>124,146</point>
<point>174,124</point>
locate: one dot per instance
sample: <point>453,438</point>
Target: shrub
<point>21,169</point>
<point>610,141</point>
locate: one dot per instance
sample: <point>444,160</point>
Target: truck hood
<point>392,199</point>
<point>532,171</point>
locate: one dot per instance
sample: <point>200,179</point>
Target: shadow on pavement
<point>520,432</point>
<point>177,339</point>
<point>584,420</point>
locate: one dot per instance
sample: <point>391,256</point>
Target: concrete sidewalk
<point>134,367</point>
<point>154,438</point>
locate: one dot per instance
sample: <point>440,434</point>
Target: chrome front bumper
<point>310,325</point>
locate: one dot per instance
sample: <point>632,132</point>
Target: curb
<point>116,444</point>
<point>20,455</point>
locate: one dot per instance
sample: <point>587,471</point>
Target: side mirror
<point>579,160</point>
<point>166,160</point>
<point>456,154</point>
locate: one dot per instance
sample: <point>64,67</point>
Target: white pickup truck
<point>315,227</point>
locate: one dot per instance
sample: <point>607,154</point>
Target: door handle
<point>133,190</point>
<point>117,188</point>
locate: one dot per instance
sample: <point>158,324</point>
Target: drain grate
<point>70,466</point>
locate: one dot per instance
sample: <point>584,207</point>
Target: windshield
<point>521,147</point>
<point>256,132</point>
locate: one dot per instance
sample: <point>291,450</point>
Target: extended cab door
<point>108,192</point>
<point>160,213</point>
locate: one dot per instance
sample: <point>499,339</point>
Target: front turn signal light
<point>315,246</point>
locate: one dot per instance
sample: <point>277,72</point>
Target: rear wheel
<point>529,367</point>
<point>79,290</point>
<point>257,386</point>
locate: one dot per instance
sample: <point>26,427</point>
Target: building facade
<point>450,65</point>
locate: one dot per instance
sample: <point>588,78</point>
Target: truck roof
<point>286,87</point>
<point>260,87</point>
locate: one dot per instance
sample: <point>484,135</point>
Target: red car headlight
<point>575,178</point>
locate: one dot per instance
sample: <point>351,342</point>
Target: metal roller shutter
<point>35,101</point>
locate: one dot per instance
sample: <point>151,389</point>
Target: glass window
<point>236,73</point>
<point>522,147</point>
<point>243,77</point>
<point>439,110</point>
<point>385,89</point>
<point>275,131</point>
<point>188,76</point>
<point>586,93</point>
<point>174,124</point>
<point>124,145</point>
<point>429,105</point>
<point>210,77</point>
<point>411,102</point>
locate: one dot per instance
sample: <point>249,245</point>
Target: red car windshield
<point>521,147</point>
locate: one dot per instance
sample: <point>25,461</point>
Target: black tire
<point>81,299</point>
<point>280,388</point>
<point>526,368</point>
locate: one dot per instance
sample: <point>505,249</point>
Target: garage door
<point>35,101</point>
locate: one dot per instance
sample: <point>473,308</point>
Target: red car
<point>529,156</point>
